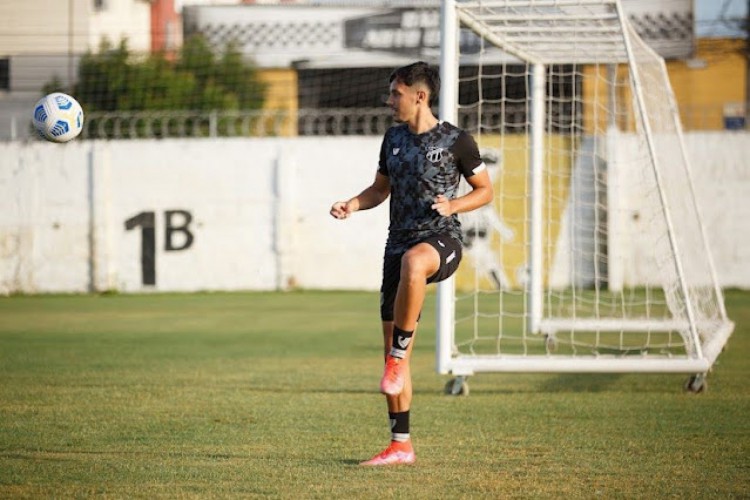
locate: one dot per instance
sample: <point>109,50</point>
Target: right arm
<point>371,197</point>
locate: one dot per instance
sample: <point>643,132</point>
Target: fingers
<point>440,199</point>
<point>340,210</point>
<point>442,205</point>
<point>337,212</point>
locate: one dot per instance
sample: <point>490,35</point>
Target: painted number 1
<point>176,222</point>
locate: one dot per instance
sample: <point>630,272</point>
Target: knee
<point>413,266</point>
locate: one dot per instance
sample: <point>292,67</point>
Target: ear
<point>422,96</point>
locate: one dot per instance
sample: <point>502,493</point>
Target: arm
<point>481,194</point>
<point>371,197</point>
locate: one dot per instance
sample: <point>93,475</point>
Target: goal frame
<point>699,361</point>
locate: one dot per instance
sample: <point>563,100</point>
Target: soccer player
<point>421,163</point>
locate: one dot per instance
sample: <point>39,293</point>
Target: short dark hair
<point>419,72</point>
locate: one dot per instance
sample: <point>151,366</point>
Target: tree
<point>199,81</point>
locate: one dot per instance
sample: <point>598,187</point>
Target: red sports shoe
<point>392,382</point>
<point>396,454</point>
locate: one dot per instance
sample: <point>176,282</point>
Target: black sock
<point>401,341</point>
<point>399,426</point>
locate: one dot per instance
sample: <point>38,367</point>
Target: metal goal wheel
<point>696,383</point>
<point>457,386</point>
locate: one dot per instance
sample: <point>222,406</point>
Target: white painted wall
<point>259,212</point>
<point>45,27</point>
<point>720,167</point>
<point>119,20</point>
<point>259,209</point>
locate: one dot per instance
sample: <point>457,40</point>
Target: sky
<point>717,18</point>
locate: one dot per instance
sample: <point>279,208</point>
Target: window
<point>4,73</point>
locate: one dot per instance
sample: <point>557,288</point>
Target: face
<point>405,100</point>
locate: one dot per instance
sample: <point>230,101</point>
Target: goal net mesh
<point>625,271</point>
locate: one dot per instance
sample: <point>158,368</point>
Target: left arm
<point>481,194</point>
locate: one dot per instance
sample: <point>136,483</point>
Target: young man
<point>421,163</point>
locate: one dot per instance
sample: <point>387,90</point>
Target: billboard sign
<point>386,34</point>
<point>409,31</point>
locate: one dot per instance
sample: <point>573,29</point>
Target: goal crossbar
<point>593,24</point>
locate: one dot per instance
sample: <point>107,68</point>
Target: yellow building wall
<point>281,96</point>
<point>596,83</point>
<point>511,205</point>
<point>707,88</point>
<point>711,83</point>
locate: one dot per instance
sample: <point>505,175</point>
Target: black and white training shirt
<point>420,167</point>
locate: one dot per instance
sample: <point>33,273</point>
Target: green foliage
<point>54,85</point>
<point>197,79</point>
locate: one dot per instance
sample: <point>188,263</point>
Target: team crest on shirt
<point>435,154</point>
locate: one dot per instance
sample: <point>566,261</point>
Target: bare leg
<point>417,264</point>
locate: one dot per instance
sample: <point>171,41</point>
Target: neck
<point>423,121</point>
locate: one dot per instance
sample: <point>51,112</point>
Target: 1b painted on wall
<point>178,236</point>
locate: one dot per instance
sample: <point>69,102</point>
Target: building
<point>43,40</point>
<point>321,59</point>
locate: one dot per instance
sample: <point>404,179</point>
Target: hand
<point>443,206</point>
<point>341,209</point>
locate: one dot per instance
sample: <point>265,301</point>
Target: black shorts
<point>449,249</point>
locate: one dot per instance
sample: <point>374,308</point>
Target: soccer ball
<point>58,117</point>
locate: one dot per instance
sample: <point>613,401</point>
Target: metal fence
<point>258,123</point>
<point>274,123</point>
<point>306,122</point>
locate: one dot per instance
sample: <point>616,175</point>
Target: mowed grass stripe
<point>275,395</point>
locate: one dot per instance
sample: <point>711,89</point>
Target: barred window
<point>4,73</point>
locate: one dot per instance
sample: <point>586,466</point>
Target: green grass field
<point>275,395</point>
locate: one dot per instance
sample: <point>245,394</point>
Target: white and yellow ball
<point>58,117</point>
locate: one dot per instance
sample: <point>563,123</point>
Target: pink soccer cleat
<point>396,454</point>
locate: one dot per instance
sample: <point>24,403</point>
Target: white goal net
<point>593,256</point>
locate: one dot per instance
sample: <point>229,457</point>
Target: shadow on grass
<point>58,455</point>
<point>539,384</point>
<point>567,383</point>
<point>309,390</point>
<point>559,384</point>
<point>351,462</point>
<point>580,383</point>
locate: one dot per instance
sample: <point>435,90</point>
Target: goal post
<point>593,256</point>
<point>449,63</point>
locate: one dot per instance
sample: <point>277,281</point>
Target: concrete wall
<point>721,172</point>
<point>250,214</point>
<point>635,232</point>
<point>227,215</point>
